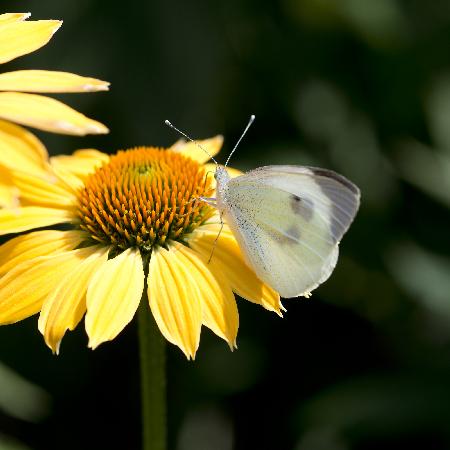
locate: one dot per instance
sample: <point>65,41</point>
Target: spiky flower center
<point>144,197</point>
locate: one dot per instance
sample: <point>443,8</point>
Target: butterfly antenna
<point>252,118</point>
<point>192,140</point>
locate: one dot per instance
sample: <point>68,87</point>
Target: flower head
<point>19,102</point>
<point>137,230</point>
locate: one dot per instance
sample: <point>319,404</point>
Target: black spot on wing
<point>302,206</point>
<point>295,201</point>
<point>293,232</point>
<point>283,237</point>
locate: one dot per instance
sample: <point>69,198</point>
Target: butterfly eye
<point>215,175</point>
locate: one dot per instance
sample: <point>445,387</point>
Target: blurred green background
<point>358,86</point>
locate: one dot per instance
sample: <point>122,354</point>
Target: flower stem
<point>153,380</point>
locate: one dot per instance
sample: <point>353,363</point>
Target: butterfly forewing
<point>322,189</point>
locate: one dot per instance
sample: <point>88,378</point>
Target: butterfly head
<point>222,178</point>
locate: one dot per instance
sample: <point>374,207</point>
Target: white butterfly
<point>288,221</point>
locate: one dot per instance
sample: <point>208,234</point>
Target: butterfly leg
<point>206,178</point>
<point>217,238</point>
<point>210,200</point>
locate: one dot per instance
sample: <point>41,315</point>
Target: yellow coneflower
<point>19,102</point>
<point>135,224</point>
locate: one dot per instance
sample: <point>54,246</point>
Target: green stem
<point>153,380</point>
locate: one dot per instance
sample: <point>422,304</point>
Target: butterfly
<point>287,220</point>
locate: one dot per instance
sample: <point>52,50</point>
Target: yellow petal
<point>38,191</point>
<point>228,260</point>
<point>46,114</point>
<point>47,81</point>
<point>35,244</point>
<point>220,312</point>
<point>13,17</point>
<point>81,163</point>
<point>25,218</point>
<point>64,307</point>
<point>20,38</point>
<point>24,288</point>
<point>214,223</point>
<point>175,300</point>
<point>21,150</point>
<point>113,296</point>
<point>193,151</point>
<point>9,194</point>
<point>67,179</point>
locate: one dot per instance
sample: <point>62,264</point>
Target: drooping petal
<point>175,300</point>
<point>193,151</point>
<point>46,114</point>
<point>25,218</point>
<point>64,307</point>
<point>18,38</point>
<point>220,312</point>
<point>13,17</point>
<point>21,150</point>
<point>113,296</point>
<point>228,260</point>
<point>81,163</point>
<point>24,288</point>
<point>47,81</point>
<point>38,243</point>
<point>38,191</point>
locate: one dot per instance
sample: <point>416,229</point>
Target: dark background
<point>358,86</point>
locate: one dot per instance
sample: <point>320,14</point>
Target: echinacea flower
<point>20,103</point>
<point>137,230</point>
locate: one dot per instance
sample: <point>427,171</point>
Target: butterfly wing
<point>289,220</point>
